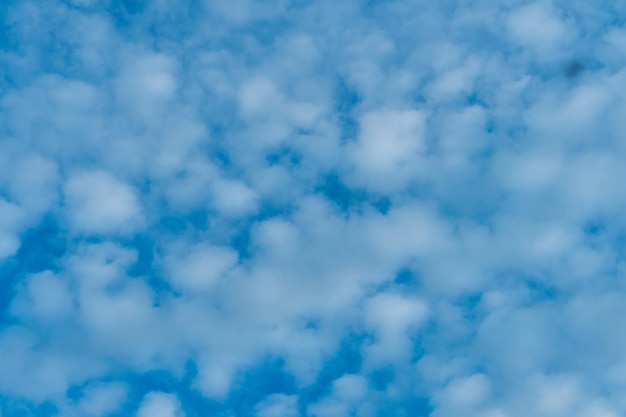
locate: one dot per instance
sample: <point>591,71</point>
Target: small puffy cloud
<point>45,297</point>
<point>200,267</point>
<point>468,391</point>
<point>146,84</point>
<point>556,395</point>
<point>234,198</point>
<point>273,117</point>
<point>455,84</point>
<point>348,392</point>
<point>388,145</point>
<point>393,317</point>
<point>394,313</point>
<point>258,96</point>
<point>12,219</point>
<point>278,405</point>
<point>9,244</point>
<point>240,12</point>
<point>216,375</point>
<point>101,400</point>
<point>23,360</point>
<point>160,404</point>
<point>539,27</point>
<point>351,388</point>
<point>328,408</point>
<point>82,3</point>
<point>98,203</point>
<point>34,183</point>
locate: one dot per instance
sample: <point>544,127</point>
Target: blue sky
<point>292,208</point>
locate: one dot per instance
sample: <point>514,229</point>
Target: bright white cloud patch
<point>99,203</point>
<point>537,26</point>
<point>45,297</point>
<point>9,244</point>
<point>349,392</point>
<point>278,405</point>
<point>101,400</point>
<point>388,147</point>
<point>233,198</point>
<point>158,404</point>
<point>11,222</point>
<point>329,208</point>
<point>199,268</point>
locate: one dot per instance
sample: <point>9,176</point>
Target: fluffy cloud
<point>277,405</point>
<point>158,404</point>
<point>388,148</point>
<point>9,240</point>
<point>99,203</point>
<point>99,400</point>
<point>312,208</point>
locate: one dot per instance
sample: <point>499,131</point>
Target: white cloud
<point>463,393</point>
<point>348,392</point>
<point>388,145</point>
<point>146,84</point>
<point>240,12</point>
<point>199,268</point>
<point>215,175</point>
<point>393,318</point>
<point>539,27</point>
<point>101,400</point>
<point>215,375</point>
<point>34,183</point>
<point>12,219</point>
<point>278,405</point>
<point>55,369</point>
<point>159,404</point>
<point>328,409</point>
<point>9,244</point>
<point>99,203</point>
<point>350,388</point>
<point>233,198</point>
<point>45,297</point>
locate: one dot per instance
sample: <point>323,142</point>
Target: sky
<point>297,208</point>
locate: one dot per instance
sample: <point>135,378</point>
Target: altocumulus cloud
<point>312,208</point>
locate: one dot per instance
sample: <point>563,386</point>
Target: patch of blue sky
<point>347,100</point>
<point>350,200</point>
<point>42,249</point>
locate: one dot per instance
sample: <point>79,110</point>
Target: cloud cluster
<point>296,208</point>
